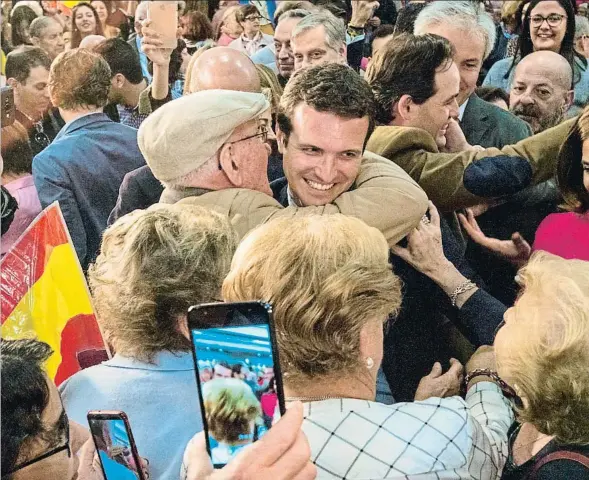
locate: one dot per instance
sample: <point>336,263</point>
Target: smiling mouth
<point>322,187</point>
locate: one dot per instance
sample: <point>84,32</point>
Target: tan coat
<point>383,196</point>
<point>441,175</point>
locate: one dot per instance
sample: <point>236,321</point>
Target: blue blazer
<point>82,169</point>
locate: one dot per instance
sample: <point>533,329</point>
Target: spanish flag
<point>44,295</point>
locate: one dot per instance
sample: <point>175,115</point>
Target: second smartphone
<point>237,372</point>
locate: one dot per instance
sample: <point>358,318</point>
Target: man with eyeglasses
<point>220,143</point>
<point>27,72</point>
<point>39,442</point>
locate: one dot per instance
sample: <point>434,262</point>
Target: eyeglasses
<point>263,134</point>
<point>50,453</point>
<point>553,20</point>
<point>253,18</point>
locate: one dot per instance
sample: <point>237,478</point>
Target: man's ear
<point>405,108</point>
<point>35,41</point>
<point>569,99</point>
<point>230,165</point>
<point>280,139</point>
<point>12,82</point>
<point>343,51</point>
<point>118,81</point>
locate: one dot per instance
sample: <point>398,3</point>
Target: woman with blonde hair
<point>153,265</point>
<point>226,28</point>
<point>543,352</point>
<point>332,290</point>
<point>234,417</point>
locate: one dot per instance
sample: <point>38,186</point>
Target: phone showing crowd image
<point>164,20</point>
<point>238,374</point>
<point>119,458</point>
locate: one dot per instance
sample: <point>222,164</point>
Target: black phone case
<point>193,312</point>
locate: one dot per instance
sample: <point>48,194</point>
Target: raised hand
<point>516,250</point>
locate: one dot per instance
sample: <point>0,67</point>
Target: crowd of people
<point>406,183</point>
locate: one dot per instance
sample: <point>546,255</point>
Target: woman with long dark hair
<point>547,25</point>
<point>85,22</point>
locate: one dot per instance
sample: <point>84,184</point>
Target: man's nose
<point>326,170</point>
<point>526,99</point>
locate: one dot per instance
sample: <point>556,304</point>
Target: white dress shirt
<point>438,438</point>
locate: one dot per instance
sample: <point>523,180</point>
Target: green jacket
<point>458,180</point>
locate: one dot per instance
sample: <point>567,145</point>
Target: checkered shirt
<point>439,438</point>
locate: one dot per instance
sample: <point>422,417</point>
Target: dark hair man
<point>85,165</point>
<point>38,440</point>
<point>27,72</point>
<point>129,89</point>
<point>472,32</point>
<point>416,84</point>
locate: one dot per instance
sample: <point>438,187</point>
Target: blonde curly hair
<point>153,265</point>
<point>543,350</point>
<point>326,277</point>
<point>230,407</point>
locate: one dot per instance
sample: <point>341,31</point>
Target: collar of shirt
<point>22,182</point>
<point>63,129</point>
<point>461,110</point>
<point>257,39</point>
<point>163,361</point>
<point>292,200</point>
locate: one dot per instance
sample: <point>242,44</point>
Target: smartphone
<point>237,372</point>
<point>115,445</point>
<point>8,109</point>
<point>164,17</point>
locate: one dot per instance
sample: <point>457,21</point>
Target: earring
<point>369,363</point>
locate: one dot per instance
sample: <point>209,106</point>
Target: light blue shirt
<point>161,401</point>
<point>143,59</point>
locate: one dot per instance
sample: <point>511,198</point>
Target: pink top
<point>224,40</point>
<point>24,191</point>
<point>565,235</point>
<point>269,401</point>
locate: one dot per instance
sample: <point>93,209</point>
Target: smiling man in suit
<point>472,33</point>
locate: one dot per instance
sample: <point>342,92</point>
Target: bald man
<point>220,68</point>
<point>542,89</point>
<point>92,41</point>
<point>224,68</point>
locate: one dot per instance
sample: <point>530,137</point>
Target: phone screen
<point>113,440</point>
<point>238,375</point>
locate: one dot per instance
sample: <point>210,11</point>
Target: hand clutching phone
<point>282,454</point>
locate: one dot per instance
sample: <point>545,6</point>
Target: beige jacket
<point>383,196</point>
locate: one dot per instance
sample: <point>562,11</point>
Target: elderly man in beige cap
<point>210,140</point>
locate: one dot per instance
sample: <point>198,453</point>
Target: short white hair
<point>335,30</point>
<point>463,15</point>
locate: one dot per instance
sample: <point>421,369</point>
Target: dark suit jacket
<point>82,169</point>
<point>139,190</point>
<point>487,125</point>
